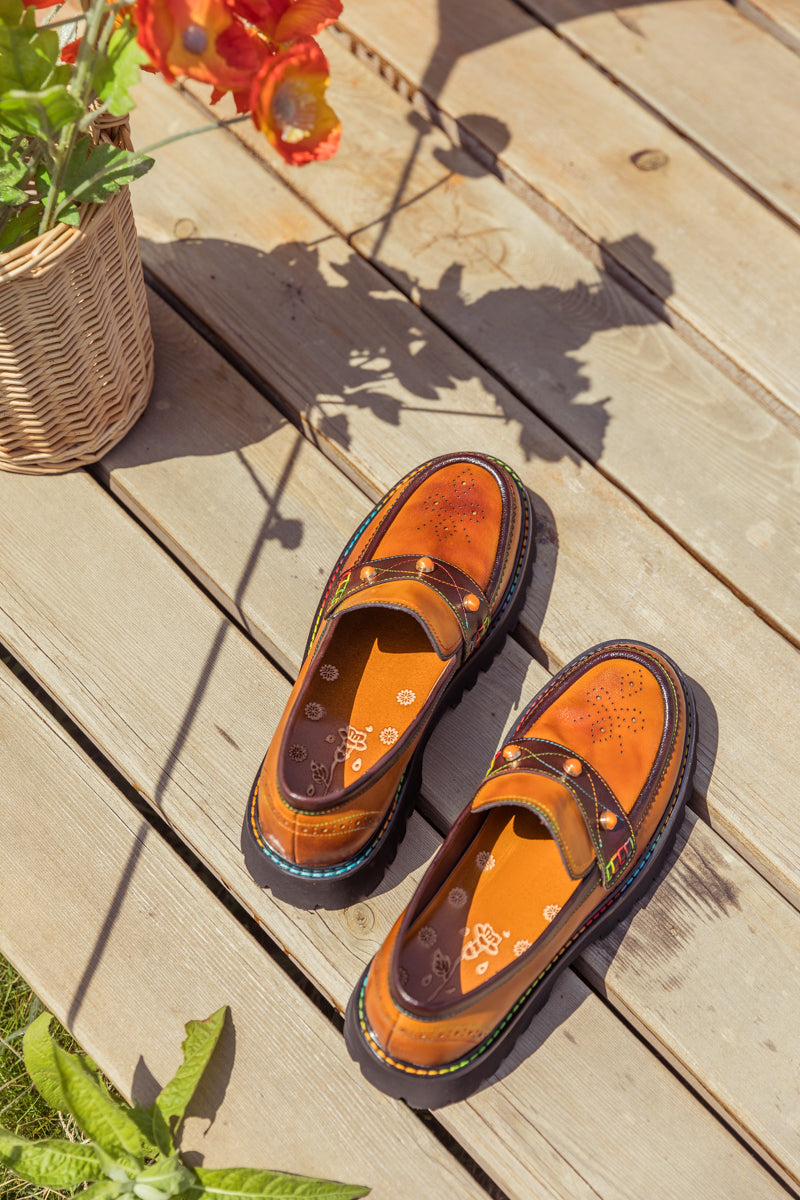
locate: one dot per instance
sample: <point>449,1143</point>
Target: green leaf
<point>40,113</point>
<point>164,1179</point>
<point>14,197</point>
<point>38,1051</point>
<point>247,1183</point>
<point>21,226</point>
<point>148,1122</point>
<point>198,1046</point>
<point>100,174</point>
<point>103,1119</point>
<point>28,56</point>
<point>119,71</point>
<point>105,1190</point>
<point>11,12</point>
<point>13,172</point>
<point>70,216</point>
<point>49,1163</point>
<point>119,1167</point>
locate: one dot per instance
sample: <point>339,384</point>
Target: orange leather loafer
<point>567,830</point>
<point>419,601</point>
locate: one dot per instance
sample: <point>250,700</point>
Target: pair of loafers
<point>568,829</point>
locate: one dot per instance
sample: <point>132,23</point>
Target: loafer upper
<point>412,597</point>
<point>571,809</point>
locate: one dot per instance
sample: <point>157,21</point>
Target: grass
<point>22,1110</point>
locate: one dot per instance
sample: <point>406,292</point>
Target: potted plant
<point>76,353</point>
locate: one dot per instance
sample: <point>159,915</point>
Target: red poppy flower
<point>182,38</point>
<point>289,105</point>
<point>285,21</point>
<point>69,53</point>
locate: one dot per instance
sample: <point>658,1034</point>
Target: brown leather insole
<point>362,694</point>
<point>496,902</point>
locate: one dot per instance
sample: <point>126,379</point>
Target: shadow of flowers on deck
<point>326,336</point>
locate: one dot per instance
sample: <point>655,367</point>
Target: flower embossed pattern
<point>405,696</point>
<point>388,736</point>
<point>329,672</point>
<point>484,940</point>
<point>314,711</point>
<point>613,715</point>
<point>484,860</point>
<point>452,510</point>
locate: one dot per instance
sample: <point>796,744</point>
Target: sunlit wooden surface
<point>559,230</point>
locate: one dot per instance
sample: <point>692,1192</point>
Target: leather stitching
<point>527,994</point>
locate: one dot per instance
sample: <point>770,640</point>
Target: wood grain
<point>718,471</point>
<point>122,941</point>
<point>700,67</point>
<point>571,137</point>
<point>131,691</point>
<point>381,388</point>
<point>780,17</point>
<point>459,750</point>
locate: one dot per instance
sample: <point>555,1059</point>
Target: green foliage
<point>132,1152</point>
<point>48,162</point>
<point>118,72</point>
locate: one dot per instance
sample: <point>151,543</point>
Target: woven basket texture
<point>76,351</point>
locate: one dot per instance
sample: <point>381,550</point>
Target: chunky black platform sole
<point>308,887</point>
<point>455,1081</point>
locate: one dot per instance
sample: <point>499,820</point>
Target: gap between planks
<point>578,109</point>
<point>126,961</point>
<point>465,737</point>
<point>635,387</point>
<point>130,698</point>
<point>587,529</point>
<point>696,68</point>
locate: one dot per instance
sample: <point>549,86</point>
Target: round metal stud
<point>471,602</point>
<point>511,753</point>
<point>368,573</point>
<point>425,565</point>
<point>608,819</point>
<point>573,767</point>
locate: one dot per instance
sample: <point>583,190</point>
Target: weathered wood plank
<point>82,631</point>
<point>719,472</point>
<point>780,17</point>
<point>127,960</point>
<point>571,137</point>
<point>381,389</point>
<point>467,738</point>
<point>714,75</point>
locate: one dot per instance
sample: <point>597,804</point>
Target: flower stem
<point>177,137</point>
<point>85,64</point>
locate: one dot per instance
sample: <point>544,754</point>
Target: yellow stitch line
<point>288,823</point>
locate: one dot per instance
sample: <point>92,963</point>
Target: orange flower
<point>182,38</point>
<point>285,21</point>
<point>289,105</point>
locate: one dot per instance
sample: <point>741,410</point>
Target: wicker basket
<point>76,352</point>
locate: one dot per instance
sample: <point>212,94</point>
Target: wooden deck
<point>558,230</point>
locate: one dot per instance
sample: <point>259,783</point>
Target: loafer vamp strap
<point>444,599</point>
<point>573,800</point>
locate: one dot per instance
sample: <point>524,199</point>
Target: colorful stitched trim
<point>528,993</point>
<point>325,872</point>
